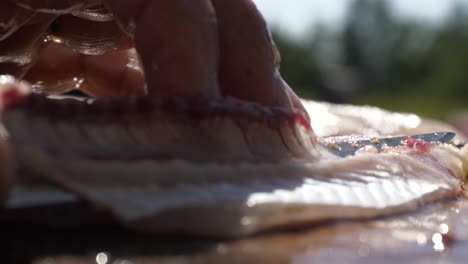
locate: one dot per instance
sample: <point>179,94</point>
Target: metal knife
<point>348,147</point>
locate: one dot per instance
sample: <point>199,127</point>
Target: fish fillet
<point>339,119</point>
<point>220,168</point>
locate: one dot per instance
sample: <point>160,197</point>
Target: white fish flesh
<point>220,168</point>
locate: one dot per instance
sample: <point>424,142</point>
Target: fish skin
<point>114,128</point>
<point>219,195</point>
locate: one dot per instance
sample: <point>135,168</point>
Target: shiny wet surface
<point>434,234</point>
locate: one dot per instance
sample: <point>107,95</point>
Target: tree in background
<point>381,59</point>
<point>370,40</point>
<point>298,65</point>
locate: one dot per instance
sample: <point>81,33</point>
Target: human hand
<point>198,48</point>
<point>208,48</point>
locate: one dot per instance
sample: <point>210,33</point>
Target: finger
<point>98,13</point>
<point>177,42</point>
<point>117,74</point>
<point>90,37</point>
<point>248,66</point>
<point>296,101</point>
<point>12,18</point>
<point>55,69</point>
<point>60,70</point>
<point>54,6</point>
<point>20,49</point>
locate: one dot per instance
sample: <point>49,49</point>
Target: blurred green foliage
<point>380,59</point>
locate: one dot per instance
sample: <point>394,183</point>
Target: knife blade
<point>348,146</point>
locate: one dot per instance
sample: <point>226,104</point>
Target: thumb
<point>177,43</point>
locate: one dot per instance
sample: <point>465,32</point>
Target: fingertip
<point>296,101</point>
<point>249,63</point>
<point>12,92</point>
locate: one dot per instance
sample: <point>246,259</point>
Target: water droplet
<point>38,87</point>
<point>47,39</point>
<point>437,239</point>
<point>439,247</point>
<point>421,239</point>
<point>245,221</point>
<point>55,39</point>
<point>251,203</point>
<point>134,63</point>
<point>78,82</point>
<point>102,258</point>
<point>444,229</point>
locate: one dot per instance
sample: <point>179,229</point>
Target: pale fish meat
<point>338,119</point>
<point>214,168</point>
